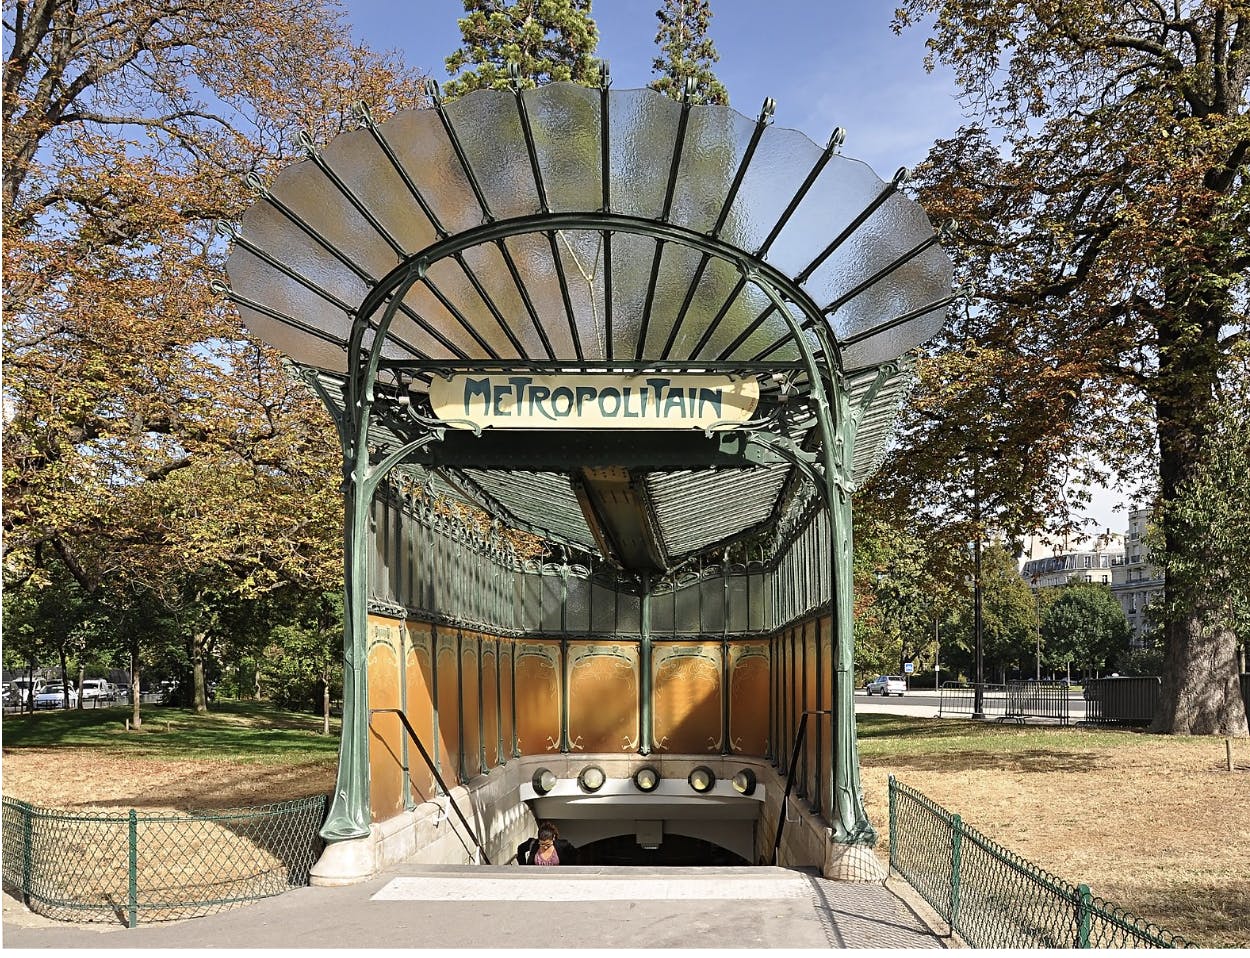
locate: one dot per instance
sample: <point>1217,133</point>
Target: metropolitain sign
<point>593,401</point>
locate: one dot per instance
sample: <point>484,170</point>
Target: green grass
<point>231,731</point>
<point>903,735</point>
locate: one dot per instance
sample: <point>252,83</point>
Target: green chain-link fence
<point>128,867</point>
<point>992,897</point>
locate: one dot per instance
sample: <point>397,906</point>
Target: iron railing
<point>794,764</point>
<point>132,866</point>
<point>425,755</point>
<point>1122,700</point>
<point>1015,701</point>
<point>991,897</point>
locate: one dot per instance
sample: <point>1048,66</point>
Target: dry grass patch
<point>1154,824</point>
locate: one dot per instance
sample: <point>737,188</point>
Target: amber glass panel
<point>748,699</point>
<point>490,702</point>
<point>419,678</point>
<point>538,697</point>
<point>826,721</point>
<point>603,698</point>
<point>505,695</point>
<point>448,709</point>
<point>809,682</point>
<point>687,697</point>
<point>472,739</point>
<point>386,764</point>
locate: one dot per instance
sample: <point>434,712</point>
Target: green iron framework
<point>991,897</point>
<point>132,867</point>
<point>574,231</point>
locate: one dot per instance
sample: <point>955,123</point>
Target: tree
<point>1085,626</point>
<point>1101,203</point>
<point>687,53</point>
<point>548,40</point>
<point>129,385</point>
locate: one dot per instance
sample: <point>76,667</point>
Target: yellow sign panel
<point>593,401</point>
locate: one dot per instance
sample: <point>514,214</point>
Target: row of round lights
<point>647,779</point>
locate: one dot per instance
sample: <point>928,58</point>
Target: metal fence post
<point>28,841</point>
<point>1084,911</point>
<point>132,891</point>
<point>893,823</point>
<point>957,841</point>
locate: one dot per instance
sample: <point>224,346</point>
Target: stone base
<point>852,863</point>
<point>344,863</point>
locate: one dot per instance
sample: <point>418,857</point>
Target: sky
<point>827,63</point>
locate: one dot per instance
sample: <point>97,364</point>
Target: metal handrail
<point>437,777</point>
<point>794,763</point>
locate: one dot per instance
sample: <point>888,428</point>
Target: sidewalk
<point>507,907</point>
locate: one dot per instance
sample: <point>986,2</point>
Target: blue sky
<point>827,63</point>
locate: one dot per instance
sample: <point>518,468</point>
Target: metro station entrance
<point>606,369</point>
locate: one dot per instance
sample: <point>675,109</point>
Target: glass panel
<point>677,268</point>
<point>578,606</point>
<point>360,163</point>
<point>757,621</point>
<point>532,255</point>
<point>581,252</point>
<point>551,604</point>
<point>716,139</point>
<point>781,163</point>
<point>488,124</point>
<point>713,605</point>
<point>492,272</point>
<point>453,282</point>
<point>841,192</point>
<point>686,620</point>
<point>718,281</point>
<point>257,280</point>
<point>603,610</point>
<point>317,202</point>
<point>532,621</point>
<point>421,145</point>
<point>301,347</point>
<point>643,126</point>
<point>662,613</point>
<point>565,118</point>
<point>631,272</point>
<point>629,614</point>
<point>738,622</point>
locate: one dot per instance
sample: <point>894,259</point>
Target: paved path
<point>506,907</point>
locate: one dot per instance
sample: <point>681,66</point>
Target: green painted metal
<point>645,708</point>
<point>127,867</point>
<point>991,897</point>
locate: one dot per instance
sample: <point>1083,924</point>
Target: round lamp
<point>544,780</point>
<point>646,779</point>
<point>591,778</point>
<point>744,782</point>
<point>702,779</point>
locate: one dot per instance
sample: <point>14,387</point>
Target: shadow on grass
<point>1030,760</point>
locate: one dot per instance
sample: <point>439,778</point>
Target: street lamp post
<point>1037,596</point>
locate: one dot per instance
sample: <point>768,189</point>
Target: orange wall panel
<point>472,737</point>
<point>386,764</point>
<point>603,697</point>
<point>538,697</point>
<point>490,702</point>
<point>748,699</point>
<point>505,695</point>
<point>686,691</point>
<point>448,707</point>
<point>419,682</point>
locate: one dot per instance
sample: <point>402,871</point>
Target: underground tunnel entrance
<point>676,851</point>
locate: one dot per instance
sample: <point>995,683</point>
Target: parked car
<point>886,685</point>
<point>96,690</point>
<point>56,696</point>
<point>24,687</point>
<point>11,696</point>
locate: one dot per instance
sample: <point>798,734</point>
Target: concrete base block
<point>852,863</point>
<point>344,863</point>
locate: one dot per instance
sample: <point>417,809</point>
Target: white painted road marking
<point>590,888</point>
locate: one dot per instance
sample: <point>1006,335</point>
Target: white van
<point>95,689</point>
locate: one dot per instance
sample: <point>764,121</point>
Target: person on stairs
<point>547,849</point>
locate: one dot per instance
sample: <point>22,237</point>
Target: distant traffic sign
<point>909,667</point>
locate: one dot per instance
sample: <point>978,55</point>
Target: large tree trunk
<point>1200,693</point>
<point>82,675</point>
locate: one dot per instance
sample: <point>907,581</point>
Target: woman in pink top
<point>547,849</point>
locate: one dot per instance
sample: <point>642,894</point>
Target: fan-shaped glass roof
<point>576,229</point>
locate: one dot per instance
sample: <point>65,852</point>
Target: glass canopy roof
<point>582,229</point>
